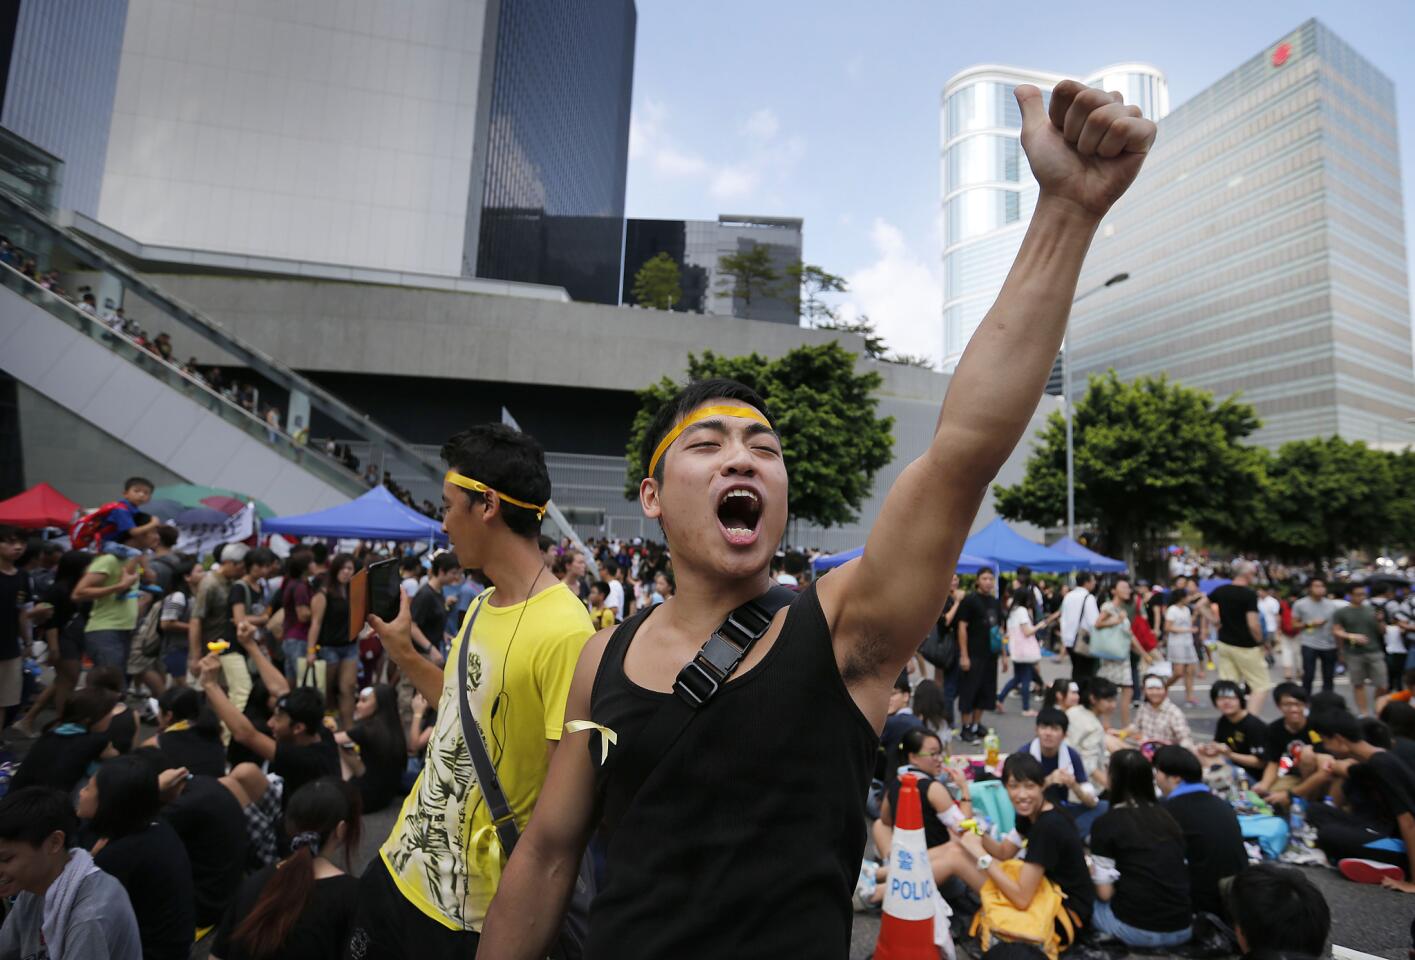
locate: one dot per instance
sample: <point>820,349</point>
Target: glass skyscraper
<point>988,190</point>
<point>1265,246</point>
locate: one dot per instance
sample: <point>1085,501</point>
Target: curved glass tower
<point>988,190</point>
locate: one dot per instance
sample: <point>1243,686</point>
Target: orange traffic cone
<point>906,931</point>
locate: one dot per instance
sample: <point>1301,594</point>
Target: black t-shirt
<point>59,596</point>
<point>1404,750</point>
<point>981,613</point>
<point>300,764</point>
<point>1380,790</point>
<point>1054,844</point>
<point>1234,604</point>
<point>152,866</point>
<point>59,760</point>
<point>935,833</point>
<point>1213,846</point>
<point>1148,849</point>
<point>430,614</point>
<point>1280,740</point>
<point>207,818</point>
<point>14,593</point>
<point>944,627</point>
<point>250,599</point>
<point>123,730</point>
<point>200,752</point>
<point>320,932</point>
<point>1248,736</point>
<point>384,764</point>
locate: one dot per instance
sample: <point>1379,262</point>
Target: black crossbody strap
<point>698,682</point>
<point>502,816</point>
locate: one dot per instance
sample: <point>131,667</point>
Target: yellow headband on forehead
<point>703,413</point>
<point>467,483</point>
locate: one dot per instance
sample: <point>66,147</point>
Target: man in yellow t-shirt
<point>427,894</point>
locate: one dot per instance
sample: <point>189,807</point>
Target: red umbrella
<point>39,506</point>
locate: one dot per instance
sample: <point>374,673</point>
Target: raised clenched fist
<point>1087,147</point>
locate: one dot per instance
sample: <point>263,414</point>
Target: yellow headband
<point>467,483</point>
<point>703,413</point>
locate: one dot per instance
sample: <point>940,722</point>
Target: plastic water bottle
<point>1297,819</point>
<point>993,746</point>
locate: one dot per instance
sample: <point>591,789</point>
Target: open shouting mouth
<point>739,513</point>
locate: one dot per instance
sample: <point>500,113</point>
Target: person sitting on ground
<point>1158,720</point>
<point>1213,840</point>
<point>1399,718</point>
<point>207,815</point>
<point>382,750</point>
<point>301,908</point>
<point>64,754</point>
<point>1376,793</point>
<point>65,906</point>
<point>1063,694</point>
<point>1053,848</point>
<point>899,720</point>
<point>420,728</point>
<point>930,706</point>
<point>1137,851</point>
<point>1288,765</point>
<point>1278,914</point>
<point>1086,727</point>
<point>121,803</point>
<point>122,721</point>
<point>189,735</point>
<point>1067,785</point>
<point>1239,737</point>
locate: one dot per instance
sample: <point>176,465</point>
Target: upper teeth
<point>740,493</point>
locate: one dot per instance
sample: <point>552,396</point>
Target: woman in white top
<point>1023,649</point>
<point>1179,630</point>
<point>1086,730</point>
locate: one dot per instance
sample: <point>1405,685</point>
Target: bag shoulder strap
<point>503,818</point>
<point>700,680</point>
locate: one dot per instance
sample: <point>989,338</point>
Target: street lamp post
<point>1066,402</point>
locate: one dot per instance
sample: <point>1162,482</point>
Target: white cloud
<point>762,125</point>
<point>735,182</point>
<point>901,292</point>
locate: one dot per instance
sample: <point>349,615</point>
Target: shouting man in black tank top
<point>744,838</point>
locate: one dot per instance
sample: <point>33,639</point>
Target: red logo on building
<point>1281,53</point>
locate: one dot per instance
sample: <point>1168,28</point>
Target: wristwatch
<point>984,862</point>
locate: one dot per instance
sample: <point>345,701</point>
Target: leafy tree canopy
<point>658,283</point>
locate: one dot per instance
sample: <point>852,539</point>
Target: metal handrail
<point>212,331</point>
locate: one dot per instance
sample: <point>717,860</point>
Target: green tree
<point>831,440</point>
<point>911,360</point>
<point>748,274</point>
<point>1329,496</point>
<point>863,327</point>
<point>658,283</point>
<point>1402,507</point>
<point>1149,455</point>
<point>811,283</point>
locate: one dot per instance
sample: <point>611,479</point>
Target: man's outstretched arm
<point>1084,153</point>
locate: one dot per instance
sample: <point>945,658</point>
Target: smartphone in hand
<point>374,590</point>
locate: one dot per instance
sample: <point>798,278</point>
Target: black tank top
<point>745,840</point>
<point>334,628</point>
<point>935,833</point>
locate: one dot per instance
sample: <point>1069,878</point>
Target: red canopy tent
<point>39,506</point>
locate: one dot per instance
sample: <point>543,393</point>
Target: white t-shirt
<point>615,600</point>
<point>1271,610</point>
<point>410,586</point>
<point>1177,620</point>
<point>1022,648</point>
<point>786,580</point>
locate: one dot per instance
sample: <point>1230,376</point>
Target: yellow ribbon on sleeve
<point>606,735</point>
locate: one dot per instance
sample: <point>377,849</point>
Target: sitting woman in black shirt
<point>189,733</point>
<point>376,767</point>
<point>303,907</point>
<point>123,724</point>
<point>1046,837</point>
<point>1142,882</point>
<point>62,757</point>
<point>142,851</point>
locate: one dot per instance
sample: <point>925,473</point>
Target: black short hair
<point>1278,909</point>
<point>1229,688</point>
<point>545,543</point>
<point>128,798</point>
<point>1052,717</point>
<point>303,705</point>
<point>168,535</point>
<point>260,557</point>
<point>1084,578</point>
<point>132,482</point>
<point>1399,716</point>
<point>1099,688</point>
<point>1024,768</point>
<point>611,568</point>
<point>901,682</point>
<point>1340,723</point>
<point>687,400</point>
<point>183,703</point>
<point>1376,733</point>
<point>508,461</point>
<point>1288,689</point>
<point>319,553</point>
<point>1178,762</point>
<point>602,586</point>
<point>409,563</point>
<point>30,815</point>
<point>794,564</point>
<point>445,562</point>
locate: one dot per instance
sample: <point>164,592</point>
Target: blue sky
<point>828,110</point>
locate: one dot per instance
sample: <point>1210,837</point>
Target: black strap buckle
<point>695,686</point>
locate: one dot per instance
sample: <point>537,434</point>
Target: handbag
<point>1113,642</point>
<point>315,675</point>
<point>940,648</point>
<point>575,925</point>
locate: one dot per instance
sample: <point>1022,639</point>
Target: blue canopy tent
<point>1094,561</point>
<point>1009,550</point>
<point>377,515</point>
<point>966,563</point>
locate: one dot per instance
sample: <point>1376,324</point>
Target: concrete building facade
<point>1265,245</point>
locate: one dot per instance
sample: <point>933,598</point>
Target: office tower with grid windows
<point>988,190</point>
<point>1265,244</point>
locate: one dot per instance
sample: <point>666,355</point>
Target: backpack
<point>1046,923</point>
<point>1285,623</point>
<point>148,638</point>
<point>93,528</point>
<point>1144,636</point>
